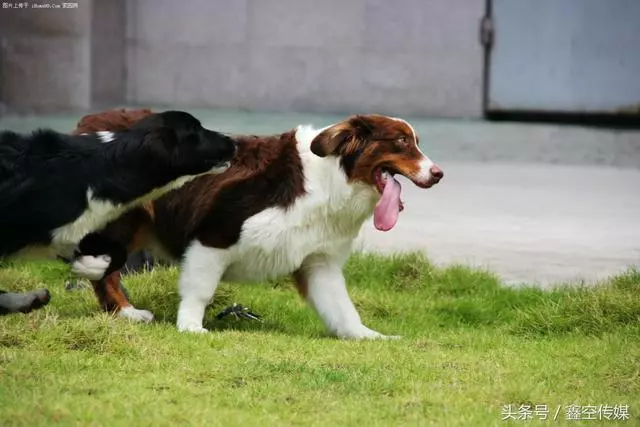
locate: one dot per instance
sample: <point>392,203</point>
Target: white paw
<point>133,314</point>
<point>91,267</point>
<point>390,337</point>
<point>361,332</point>
<point>193,328</point>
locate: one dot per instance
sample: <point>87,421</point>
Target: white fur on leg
<point>106,136</point>
<point>327,294</point>
<point>202,269</point>
<point>135,315</point>
<point>91,267</point>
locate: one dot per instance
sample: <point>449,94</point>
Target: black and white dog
<point>55,189</point>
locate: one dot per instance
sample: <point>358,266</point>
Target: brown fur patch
<point>110,294</point>
<point>112,120</point>
<point>266,172</point>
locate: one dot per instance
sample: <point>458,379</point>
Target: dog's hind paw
<point>135,315</point>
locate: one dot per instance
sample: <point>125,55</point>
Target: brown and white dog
<point>290,204</point>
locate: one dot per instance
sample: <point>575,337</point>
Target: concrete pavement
<point>535,203</point>
<point>528,222</point>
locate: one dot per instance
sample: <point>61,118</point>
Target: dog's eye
<point>402,140</point>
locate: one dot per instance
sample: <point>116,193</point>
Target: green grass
<point>470,346</point>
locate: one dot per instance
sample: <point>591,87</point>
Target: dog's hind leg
<point>113,299</point>
<point>202,269</point>
<point>131,231</point>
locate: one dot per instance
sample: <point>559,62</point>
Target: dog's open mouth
<point>390,205</point>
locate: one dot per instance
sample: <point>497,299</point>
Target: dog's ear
<point>161,140</point>
<point>329,141</point>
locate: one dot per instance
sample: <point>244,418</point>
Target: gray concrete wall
<point>57,60</point>
<point>404,57</point>
<point>45,58</point>
<point>409,57</point>
<point>108,52</point>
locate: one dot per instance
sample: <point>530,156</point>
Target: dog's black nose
<point>436,172</point>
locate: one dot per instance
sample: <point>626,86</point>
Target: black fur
<point>94,244</point>
<point>45,176</point>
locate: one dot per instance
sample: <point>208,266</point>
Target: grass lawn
<point>469,347</point>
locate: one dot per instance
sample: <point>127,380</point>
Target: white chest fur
<point>275,241</point>
<point>97,214</point>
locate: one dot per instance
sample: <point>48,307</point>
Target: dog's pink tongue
<point>386,213</point>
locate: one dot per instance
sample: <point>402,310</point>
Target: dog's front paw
<point>390,337</point>
<point>136,315</point>
<point>91,267</point>
<point>192,328</point>
<point>361,332</point>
